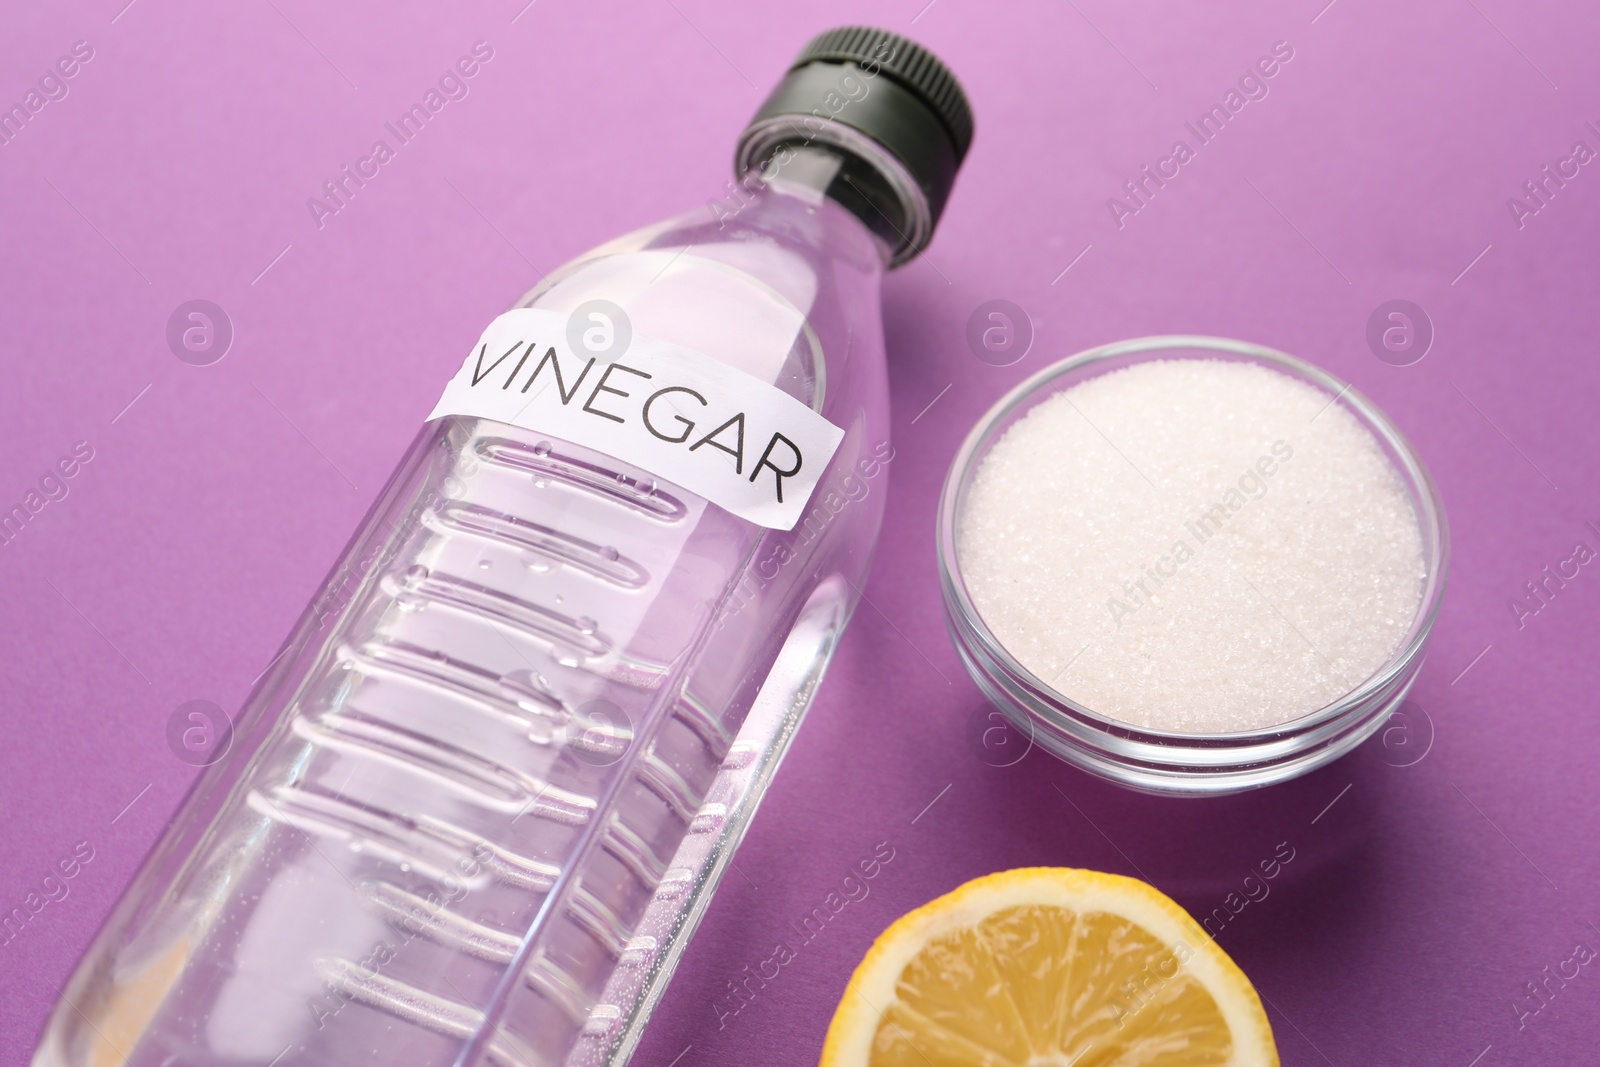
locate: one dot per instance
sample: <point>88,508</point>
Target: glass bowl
<point>1155,761</point>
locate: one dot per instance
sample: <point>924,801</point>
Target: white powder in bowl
<point>1193,545</point>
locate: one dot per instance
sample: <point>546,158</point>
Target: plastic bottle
<point>477,805</point>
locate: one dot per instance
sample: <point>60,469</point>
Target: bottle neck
<point>856,173</point>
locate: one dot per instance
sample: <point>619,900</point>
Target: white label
<point>741,443</point>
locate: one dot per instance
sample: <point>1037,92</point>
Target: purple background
<point>1417,906</point>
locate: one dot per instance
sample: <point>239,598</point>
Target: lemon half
<point>1049,967</point>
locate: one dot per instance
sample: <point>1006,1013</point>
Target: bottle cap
<point>886,99</point>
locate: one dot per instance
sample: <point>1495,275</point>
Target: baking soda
<point>1193,545</point>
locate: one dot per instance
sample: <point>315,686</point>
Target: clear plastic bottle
<point>480,800</point>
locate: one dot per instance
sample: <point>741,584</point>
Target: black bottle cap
<point>885,99</point>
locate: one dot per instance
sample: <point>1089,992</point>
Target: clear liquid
<point>487,692</point>
<point>481,798</point>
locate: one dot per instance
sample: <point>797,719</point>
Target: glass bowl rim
<point>1420,491</point>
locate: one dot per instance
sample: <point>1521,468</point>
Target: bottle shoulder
<point>784,290</point>
<point>803,248</point>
